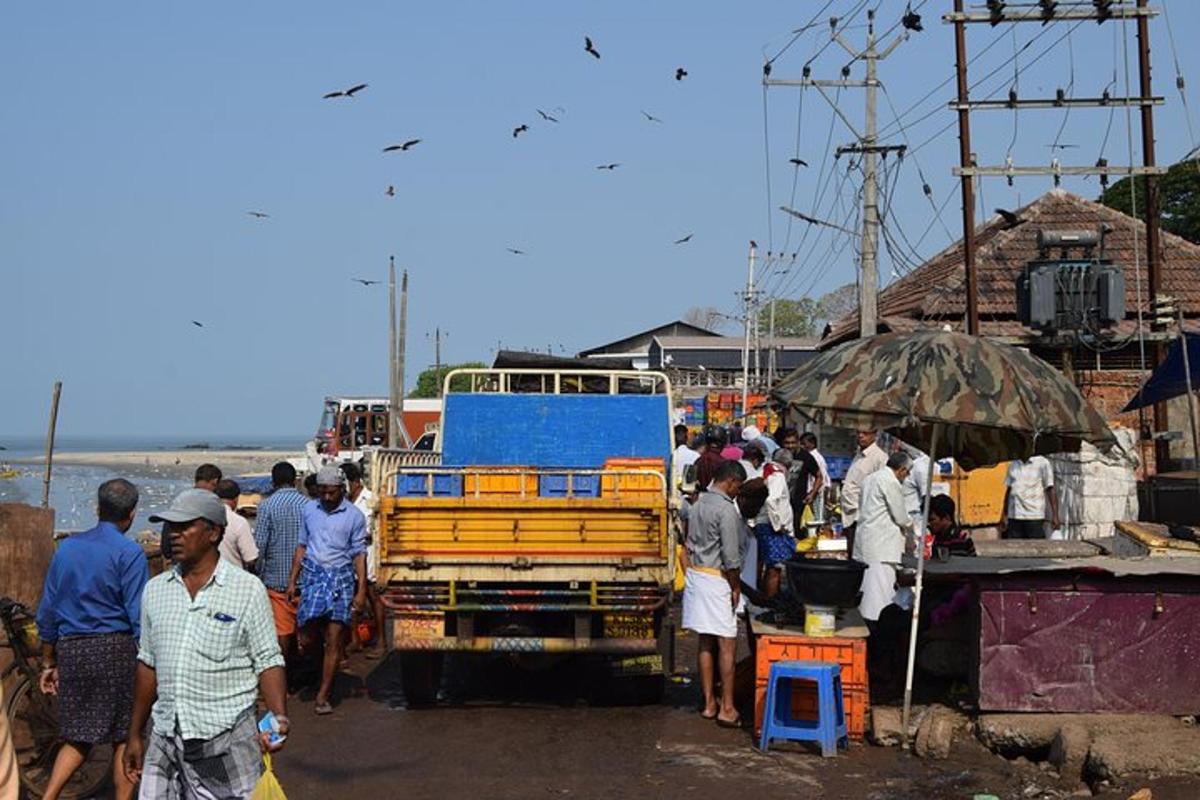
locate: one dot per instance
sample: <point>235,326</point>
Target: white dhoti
<point>708,604</point>
<point>878,589</point>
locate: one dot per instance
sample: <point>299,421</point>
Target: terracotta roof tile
<point>933,293</point>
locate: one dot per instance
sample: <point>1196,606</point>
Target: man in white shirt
<point>775,529</point>
<point>915,486</point>
<point>1029,493</point>
<point>237,545</point>
<point>684,456</point>
<point>809,442</point>
<point>883,525</point>
<point>360,496</point>
<point>869,458</point>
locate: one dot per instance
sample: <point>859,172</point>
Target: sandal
<point>736,722</point>
<point>708,716</point>
<point>322,709</point>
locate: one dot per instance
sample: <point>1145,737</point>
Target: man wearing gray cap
<point>208,648</point>
<point>330,567</point>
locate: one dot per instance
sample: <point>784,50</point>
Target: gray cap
<point>330,476</point>
<point>194,504</point>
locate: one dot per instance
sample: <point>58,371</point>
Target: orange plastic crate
<point>851,654</point>
<point>633,485</point>
<point>856,703</point>
<point>500,483</point>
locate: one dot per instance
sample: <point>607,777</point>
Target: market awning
<point>1169,379</point>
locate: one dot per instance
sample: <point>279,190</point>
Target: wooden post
<point>50,443</point>
<point>968,186</point>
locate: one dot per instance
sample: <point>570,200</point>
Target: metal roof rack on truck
<point>548,381</point>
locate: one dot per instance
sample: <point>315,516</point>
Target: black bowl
<point>825,581</point>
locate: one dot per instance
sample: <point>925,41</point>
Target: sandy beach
<point>173,462</point>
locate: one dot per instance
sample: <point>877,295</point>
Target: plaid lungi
<point>224,767</point>
<point>325,593</point>
<point>95,687</point>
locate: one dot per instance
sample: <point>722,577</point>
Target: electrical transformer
<point>1070,293</point>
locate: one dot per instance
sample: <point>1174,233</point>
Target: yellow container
<point>820,620</point>
<point>633,485</point>
<point>511,484</point>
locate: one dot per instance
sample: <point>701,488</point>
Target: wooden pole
<point>968,187</point>
<point>395,390</point>
<point>400,340</point>
<point>50,443</point>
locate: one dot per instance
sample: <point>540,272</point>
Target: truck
<point>541,528</point>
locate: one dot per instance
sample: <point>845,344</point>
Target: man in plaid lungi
<point>333,585</point>
<point>207,649</point>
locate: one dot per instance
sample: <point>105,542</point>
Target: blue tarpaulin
<point>1169,379</point>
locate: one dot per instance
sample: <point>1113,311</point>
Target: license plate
<point>419,626</point>
<point>628,626</point>
<point>636,665</point>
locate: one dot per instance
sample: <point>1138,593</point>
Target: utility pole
<point>395,390</point>
<point>968,181</point>
<point>401,340</point>
<point>771,345</point>
<point>968,170</point>
<point>437,358</point>
<point>867,145</point>
<point>748,316</point>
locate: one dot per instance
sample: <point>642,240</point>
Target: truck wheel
<point>421,677</point>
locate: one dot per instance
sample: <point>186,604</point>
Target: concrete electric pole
<point>867,145</point>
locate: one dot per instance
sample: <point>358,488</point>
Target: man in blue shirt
<point>333,555</point>
<point>280,520</point>
<point>88,621</point>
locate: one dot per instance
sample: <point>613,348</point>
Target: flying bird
<point>197,324</point>
<point>346,92</point>
<point>685,239</point>
<point>1057,146</point>
<point>258,215</point>
<point>517,131</point>
<point>588,48</point>
<point>799,162</point>
<point>546,116</point>
<point>405,146</point>
<point>911,20</point>
<point>608,166</point>
<point>651,117</point>
<point>680,74</point>
<point>1011,220</point>
<point>515,251</point>
<point>364,281</point>
<point>390,191</point>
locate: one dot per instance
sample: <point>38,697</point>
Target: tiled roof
<point>933,294</point>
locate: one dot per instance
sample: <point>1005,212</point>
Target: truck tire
<point>421,677</point>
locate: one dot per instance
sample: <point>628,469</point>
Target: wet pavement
<point>524,734</point>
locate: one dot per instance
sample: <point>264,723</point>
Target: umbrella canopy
<point>994,402</point>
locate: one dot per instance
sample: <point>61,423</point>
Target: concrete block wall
<point>1096,490</point>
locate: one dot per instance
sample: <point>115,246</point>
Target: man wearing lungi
<point>710,598</point>
<point>330,568</point>
<point>88,621</point>
<point>207,651</point>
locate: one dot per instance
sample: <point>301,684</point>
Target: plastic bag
<point>268,787</point>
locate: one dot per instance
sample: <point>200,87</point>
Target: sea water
<point>73,487</point>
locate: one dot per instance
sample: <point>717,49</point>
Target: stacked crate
<point>851,654</point>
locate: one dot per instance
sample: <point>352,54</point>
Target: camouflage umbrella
<point>994,402</point>
<point>951,394</point>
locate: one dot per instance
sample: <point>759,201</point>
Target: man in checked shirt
<point>207,649</point>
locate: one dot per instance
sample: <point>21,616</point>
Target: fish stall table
<point>778,641</point>
<point>1083,633</point>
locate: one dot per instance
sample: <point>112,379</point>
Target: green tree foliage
<point>1179,198</point>
<point>792,318</point>
<point>431,379</point>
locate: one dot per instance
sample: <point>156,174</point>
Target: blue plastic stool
<point>828,729</point>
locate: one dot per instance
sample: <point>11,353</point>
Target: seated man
<point>944,527</point>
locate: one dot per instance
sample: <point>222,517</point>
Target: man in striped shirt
<point>280,520</point>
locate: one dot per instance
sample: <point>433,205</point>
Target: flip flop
<point>729,723</point>
<point>322,709</point>
<point>708,716</point>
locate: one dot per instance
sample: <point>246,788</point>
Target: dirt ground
<point>507,732</point>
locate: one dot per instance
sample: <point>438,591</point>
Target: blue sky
<point>138,135</point>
